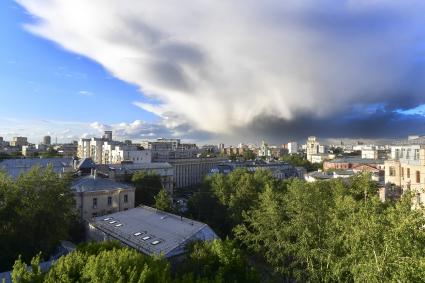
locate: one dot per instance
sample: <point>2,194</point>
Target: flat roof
<point>357,160</point>
<point>152,231</point>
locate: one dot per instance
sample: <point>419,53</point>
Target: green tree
<point>249,155</point>
<point>336,231</point>
<point>301,161</point>
<point>147,187</point>
<point>36,212</point>
<point>163,201</point>
<point>217,261</point>
<point>97,262</point>
<point>22,274</point>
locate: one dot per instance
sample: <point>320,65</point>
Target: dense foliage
<point>147,185</point>
<point>36,213</point>
<point>293,231</point>
<point>222,199</point>
<point>301,161</point>
<point>216,261</point>
<point>163,201</point>
<point>334,230</point>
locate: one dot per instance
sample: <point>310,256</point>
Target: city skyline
<point>336,70</point>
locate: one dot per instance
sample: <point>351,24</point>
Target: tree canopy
<point>147,185</point>
<point>216,261</point>
<point>163,201</point>
<point>36,213</point>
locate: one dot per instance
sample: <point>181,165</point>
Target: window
<point>392,171</point>
<point>125,198</point>
<point>118,225</point>
<point>146,238</point>
<point>112,222</point>
<point>137,234</point>
<point>94,202</point>
<point>402,172</point>
<point>418,198</point>
<point>109,201</point>
<point>408,153</point>
<point>408,173</point>
<point>416,154</point>
<point>418,176</point>
<point>402,153</point>
<point>155,242</point>
<point>106,219</point>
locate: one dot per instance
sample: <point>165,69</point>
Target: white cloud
<point>218,64</point>
<point>85,93</point>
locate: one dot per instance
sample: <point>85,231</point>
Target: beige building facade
<point>95,196</point>
<point>406,169</point>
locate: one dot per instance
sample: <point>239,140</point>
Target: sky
<point>212,70</point>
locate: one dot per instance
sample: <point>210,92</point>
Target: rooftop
<point>356,159</point>
<point>86,163</point>
<point>138,166</point>
<point>14,167</point>
<point>92,183</point>
<point>153,231</point>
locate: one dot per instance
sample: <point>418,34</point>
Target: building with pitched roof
<point>15,167</point>
<point>150,231</point>
<point>96,196</point>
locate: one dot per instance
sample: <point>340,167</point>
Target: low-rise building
<point>95,196</point>
<point>351,162</point>
<point>150,231</point>
<point>321,176</point>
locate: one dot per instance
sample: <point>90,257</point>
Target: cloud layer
<point>221,66</point>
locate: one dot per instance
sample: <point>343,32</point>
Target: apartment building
<point>406,168</point>
<point>130,153</point>
<point>96,196</point>
<point>19,141</point>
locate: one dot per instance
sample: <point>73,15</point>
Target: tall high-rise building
<point>47,140</point>
<point>292,147</point>
<point>19,141</point>
<point>312,147</point>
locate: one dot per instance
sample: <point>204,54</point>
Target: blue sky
<point>212,70</point>
<point>39,80</point>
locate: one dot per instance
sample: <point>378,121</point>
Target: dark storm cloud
<point>379,124</point>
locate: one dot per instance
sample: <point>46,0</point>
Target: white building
<point>369,152</point>
<point>292,147</point>
<point>264,150</point>
<point>312,147</point>
<point>132,154</point>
